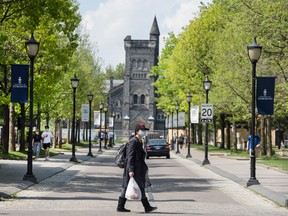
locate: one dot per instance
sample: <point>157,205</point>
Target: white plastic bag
<point>133,191</point>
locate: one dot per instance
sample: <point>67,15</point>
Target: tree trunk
<point>228,135</point>
<point>38,122</point>
<point>68,131</point>
<point>193,134</point>
<point>269,137</point>
<point>262,136</point>
<point>78,131</point>
<point>222,123</point>
<point>234,136</point>
<point>56,132</point>
<point>200,140</point>
<point>12,133</point>
<point>22,128</point>
<point>5,138</point>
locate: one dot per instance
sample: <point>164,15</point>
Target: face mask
<point>142,133</point>
<point>47,130</point>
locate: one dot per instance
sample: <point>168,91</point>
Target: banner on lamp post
<point>265,95</point>
<point>194,114</point>
<point>111,122</point>
<point>181,119</point>
<point>85,113</point>
<point>19,83</point>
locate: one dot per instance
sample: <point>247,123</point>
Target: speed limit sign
<point>206,112</point>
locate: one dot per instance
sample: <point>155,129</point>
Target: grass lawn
<point>16,155</point>
<point>280,162</point>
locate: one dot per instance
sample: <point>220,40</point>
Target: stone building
<point>132,99</point>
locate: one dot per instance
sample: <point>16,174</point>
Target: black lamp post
<point>101,108</point>
<point>32,47</point>
<point>172,148</point>
<point>177,112</point>
<point>189,99</point>
<point>164,130</point>
<point>254,53</point>
<point>168,125</point>
<point>105,125</point>
<point>113,115</point>
<point>74,83</point>
<point>207,86</point>
<point>90,98</point>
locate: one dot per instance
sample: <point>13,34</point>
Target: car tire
<point>168,156</point>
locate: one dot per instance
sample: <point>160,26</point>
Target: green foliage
<point>215,44</point>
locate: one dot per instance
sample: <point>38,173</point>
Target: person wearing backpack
<point>135,167</point>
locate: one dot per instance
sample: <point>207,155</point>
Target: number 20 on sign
<point>206,112</point>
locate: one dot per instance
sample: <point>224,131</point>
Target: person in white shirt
<point>47,140</point>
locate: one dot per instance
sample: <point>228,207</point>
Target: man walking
<point>47,140</point>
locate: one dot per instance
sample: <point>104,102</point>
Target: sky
<point>108,22</point>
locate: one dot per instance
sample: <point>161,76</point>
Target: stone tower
<point>138,92</point>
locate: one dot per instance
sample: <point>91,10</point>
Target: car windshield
<point>156,142</point>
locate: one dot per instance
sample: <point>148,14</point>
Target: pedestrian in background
<point>137,168</point>
<point>249,146</point>
<point>47,141</point>
<point>181,141</point>
<point>36,143</point>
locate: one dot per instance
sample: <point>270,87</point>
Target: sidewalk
<point>13,171</point>
<point>273,182</point>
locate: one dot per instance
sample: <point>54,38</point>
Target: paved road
<point>181,187</point>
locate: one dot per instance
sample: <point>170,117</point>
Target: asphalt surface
<point>180,186</point>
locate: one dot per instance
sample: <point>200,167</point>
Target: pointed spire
<point>154,29</point>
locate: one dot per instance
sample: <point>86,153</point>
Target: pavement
<point>273,182</point>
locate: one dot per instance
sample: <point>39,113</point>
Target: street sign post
<point>206,113</point>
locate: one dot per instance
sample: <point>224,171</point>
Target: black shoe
<point>147,206</point>
<point>121,204</point>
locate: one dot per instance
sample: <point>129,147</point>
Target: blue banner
<point>19,83</point>
<point>265,95</point>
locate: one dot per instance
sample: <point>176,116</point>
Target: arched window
<point>145,65</point>
<point>117,103</point>
<point>135,99</point>
<point>134,63</point>
<point>140,64</point>
<point>142,99</point>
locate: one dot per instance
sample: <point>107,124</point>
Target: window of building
<point>140,64</point>
<point>134,63</point>
<point>135,99</point>
<point>145,65</point>
<point>142,99</point>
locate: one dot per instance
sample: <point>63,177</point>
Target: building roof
<point>115,84</point>
<point>155,29</point>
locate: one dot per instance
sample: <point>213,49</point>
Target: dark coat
<point>135,156</point>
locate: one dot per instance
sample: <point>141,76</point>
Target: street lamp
<point>105,125</point>
<point>90,98</point>
<point>168,126</point>
<point>177,112</point>
<point>74,83</point>
<point>113,115</point>
<point>164,126</point>
<point>101,108</point>
<point>189,99</point>
<point>254,53</point>
<point>207,86</point>
<point>172,148</point>
<point>32,47</point>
